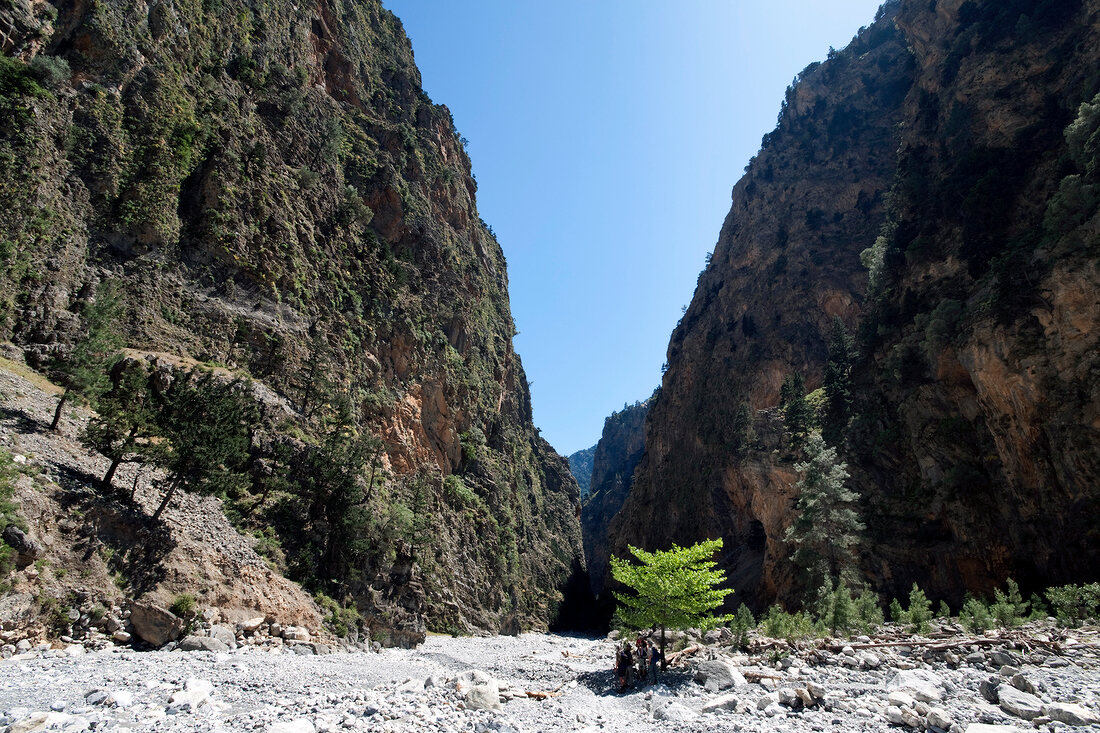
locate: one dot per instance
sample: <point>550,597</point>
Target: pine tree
<point>205,434</point>
<point>837,383</point>
<point>675,588</point>
<point>333,476</point>
<point>84,371</point>
<point>797,414</point>
<point>827,527</point>
<point>126,420</point>
<point>742,433</point>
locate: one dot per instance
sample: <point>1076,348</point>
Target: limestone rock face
<point>295,208</point>
<point>955,132</point>
<point>617,454</point>
<point>786,263</point>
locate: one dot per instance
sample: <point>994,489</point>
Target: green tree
<point>837,382</point>
<point>675,588</point>
<point>205,433</point>
<point>742,433</point>
<point>125,422</point>
<point>797,414</point>
<point>333,477</point>
<point>84,371</point>
<point>827,527</point>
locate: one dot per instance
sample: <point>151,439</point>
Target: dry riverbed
<point>483,684</point>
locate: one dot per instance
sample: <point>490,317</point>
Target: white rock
<point>775,709</point>
<point>1019,703</point>
<point>41,721</point>
<point>987,728</point>
<point>939,718</point>
<point>120,698</point>
<point>410,686</point>
<point>121,637</point>
<point>920,683</point>
<point>74,650</point>
<point>674,711</point>
<point>718,704</point>
<point>772,698</point>
<point>252,624</point>
<point>298,725</point>
<point>1070,714</point>
<point>483,696</point>
<point>899,698</point>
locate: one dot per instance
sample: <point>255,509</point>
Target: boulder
<point>250,625</point>
<point>921,684</point>
<point>483,696</point>
<point>155,624</point>
<point>673,711</point>
<point>195,693</point>
<point>1071,714</point>
<point>939,718</point>
<point>295,633</point>
<point>202,644</point>
<point>1002,657</point>
<point>718,674</point>
<point>720,704</point>
<point>1019,703</point>
<point>988,689</point>
<point>225,635</point>
<point>1022,683</point>
<point>27,550</point>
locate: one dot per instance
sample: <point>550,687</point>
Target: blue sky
<point>606,136</point>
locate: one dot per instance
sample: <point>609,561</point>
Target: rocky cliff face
<point>617,454</point>
<point>274,194</point>
<point>974,443</point>
<point>977,427</point>
<point>786,264</point>
<point>580,465</point>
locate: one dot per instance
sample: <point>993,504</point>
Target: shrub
<point>944,611</point>
<point>742,623</point>
<point>974,615</point>
<point>50,71</point>
<point>341,619</point>
<point>868,611</point>
<point>1073,604</point>
<point>1008,608</point>
<point>183,605</point>
<point>779,624</point>
<point>920,611</point>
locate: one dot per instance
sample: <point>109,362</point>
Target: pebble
<point>257,688</point>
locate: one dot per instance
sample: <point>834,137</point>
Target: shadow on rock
<point>23,423</point>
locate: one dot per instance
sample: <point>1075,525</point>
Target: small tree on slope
<point>675,588</point>
<point>827,527</point>
<point>84,371</point>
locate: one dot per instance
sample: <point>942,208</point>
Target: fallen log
<point>757,676</point>
<point>677,656</point>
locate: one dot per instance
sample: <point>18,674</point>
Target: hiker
<point>654,661</point>
<point>641,655</point>
<point>623,663</point>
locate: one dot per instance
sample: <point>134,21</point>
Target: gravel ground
<point>424,689</point>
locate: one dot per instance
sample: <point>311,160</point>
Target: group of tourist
<point>638,664</point>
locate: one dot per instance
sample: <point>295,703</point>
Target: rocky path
<point>482,684</point>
